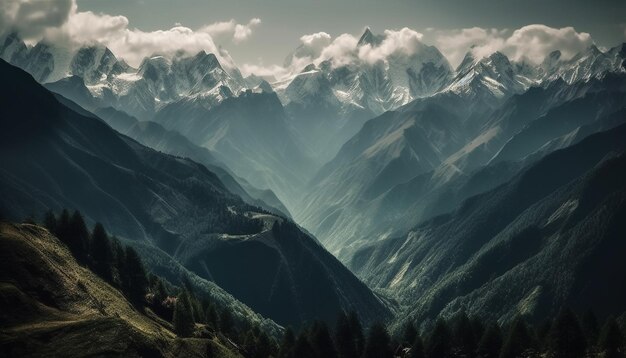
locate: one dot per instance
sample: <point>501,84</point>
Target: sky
<point>260,34</point>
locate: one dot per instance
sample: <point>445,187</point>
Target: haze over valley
<point>404,191</point>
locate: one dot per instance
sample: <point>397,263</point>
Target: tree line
<point>567,335</point>
<point>115,263</point>
<point>122,267</point>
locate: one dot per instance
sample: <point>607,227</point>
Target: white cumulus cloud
<point>405,41</point>
<point>30,18</point>
<point>60,22</point>
<point>534,42</point>
<point>231,29</point>
<point>531,42</point>
<point>342,50</point>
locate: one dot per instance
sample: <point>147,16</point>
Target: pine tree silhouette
<point>378,343</point>
<point>101,253</point>
<point>183,317</point>
<point>440,341</point>
<point>566,337</point>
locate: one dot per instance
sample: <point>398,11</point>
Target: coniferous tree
<point>287,344</point>
<point>591,329</point>
<point>409,334</point>
<point>119,261</point>
<point>566,337</point>
<point>257,344</point>
<point>266,347</point>
<point>227,325</point>
<point>101,253</point>
<point>78,237</point>
<point>136,281</point>
<point>302,347</point>
<point>196,307</point>
<point>439,342</point>
<point>378,343</point>
<point>50,221</point>
<point>543,334</point>
<point>357,332</point>
<point>212,317</point>
<point>417,348</point>
<point>611,340</point>
<point>478,328</point>
<point>321,341</point>
<point>159,298</point>
<point>491,342</point>
<point>345,338</point>
<point>183,315</point>
<point>518,340</point>
<point>160,292</point>
<point>463,336</point>
<point>63,226</point>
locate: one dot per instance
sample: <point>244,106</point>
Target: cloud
<point>344,50</point>
<point>231,29</point>
<point>405,41</point>
<point>133,44</point>
<point>454,44</point>
<point>60,22</point>
<point>531,42</point>
<point>312,45</point>
<point>30,18</point>
<point>534,42</point>
<point>341,51</point>
<point>89,28</point>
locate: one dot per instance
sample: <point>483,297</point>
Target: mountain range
<point>178,214</point>
<point>401,189</point>
<point>547,238</point>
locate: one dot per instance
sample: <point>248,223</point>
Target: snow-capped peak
<point>368,38</point>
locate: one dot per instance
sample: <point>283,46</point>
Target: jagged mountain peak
<point>552,59</point>
<point>499,60</point>
<point>208,58</point>
<point>96,63</point>
<point>594,49</point>
<point>468,61</point>
<point>368,38</point>
<point>154,66</point>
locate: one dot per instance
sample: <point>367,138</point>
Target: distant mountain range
<point>494,188</point>
<point>425,158</point>
<point>552,236</point>
<point>324,104</point>
<point>178,214</point>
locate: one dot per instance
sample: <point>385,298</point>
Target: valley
<point>349,204</point>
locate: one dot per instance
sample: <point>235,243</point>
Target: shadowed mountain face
<point>425,158</point>
<point>250,134</point>
<point>53,157</point>
<point>153,135</point>
<point>550,237</point>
